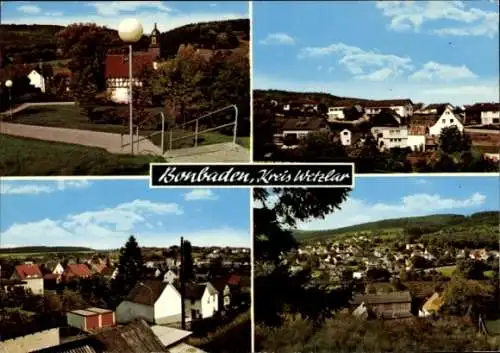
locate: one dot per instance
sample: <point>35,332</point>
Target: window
<point>496,120</point>
<point>451,120</point>
<point>346,133</point>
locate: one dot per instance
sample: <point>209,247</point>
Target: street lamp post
<point>130,31</point>
<point>8,84</point>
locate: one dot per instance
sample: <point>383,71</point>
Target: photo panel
<point>90,264</point>
<point>396,263</point>
<point>106,89</point>
<point>397,92</point>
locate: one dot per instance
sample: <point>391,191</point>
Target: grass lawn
<point>27,157</point>
<point>493,326</point>
<point>489,274</point>
<point>72,117</point>
<point>446,270</point>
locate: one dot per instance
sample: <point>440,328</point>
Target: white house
<point>403,107</point>
<point>58,269</point>
<point>490,116</point>
<point>436,108</point>
<point>170,276</point>
<point>159,302</point>
<point>154,301</point>
<point>345,137</point>
<point>388,130</point>
<point>202,301</point>
<point>37,80</point>
<point>417,138</point>
<point>336,113</point>
<point>31,275</point>
<point>447,119</point>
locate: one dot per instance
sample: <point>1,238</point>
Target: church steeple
<point>154,45</point>
<point>155,37</point>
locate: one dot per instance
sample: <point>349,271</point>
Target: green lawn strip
<point>29,157</point>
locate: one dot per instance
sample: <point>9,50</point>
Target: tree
<point>187,259</point>
<point>320,147</point>
<point>130,268</point>
<point>378,274</point>
<point>471,269</point>
<point>462,294</point>
<point>452,140</point>
<point>87,46</point>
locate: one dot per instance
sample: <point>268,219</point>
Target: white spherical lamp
<point>8,83</point>
<point>130,30</point>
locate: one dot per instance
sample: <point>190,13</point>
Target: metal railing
<point>197,132</point>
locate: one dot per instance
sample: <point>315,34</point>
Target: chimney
<point>181,279</point>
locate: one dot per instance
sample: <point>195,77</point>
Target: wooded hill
<point>34,43</point>
<point>320,97</point>
<point>430,227</point>
<point>44,249</point>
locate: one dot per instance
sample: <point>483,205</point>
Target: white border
<point>352,185</point>
<point>250,58</point>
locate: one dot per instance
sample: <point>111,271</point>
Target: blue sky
<point>380,198</point>
<point>168,14</point>
<point>102,214</point>
<point>429,51</point>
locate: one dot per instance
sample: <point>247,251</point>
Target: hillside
<point>34,43</point>
<point>44,249</point>
<point>433,224</point>
<point>320,97</point>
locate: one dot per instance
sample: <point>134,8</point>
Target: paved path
<point>27,105</point>
<point>222,152</point>
<point>111,142</point>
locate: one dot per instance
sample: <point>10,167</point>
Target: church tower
<point>154,46</point>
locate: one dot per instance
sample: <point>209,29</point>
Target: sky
<point>102,214</point>
<point>428,51</point>
<point>378,198</point>
<point>168,14</point>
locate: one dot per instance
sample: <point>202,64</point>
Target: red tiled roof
<point>117,64</point>
<point>28,271</point>
<point>234,280</point>
<point>79,270</point>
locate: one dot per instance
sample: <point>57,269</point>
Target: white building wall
<point>129,311</point>
<point>487,117</point>
<point>416,142</point>
<point>209,304</point>
<point>30,343</point>
<point>336,113</point>
<point>447,119</point>
<point>168,306</point>
<point>35,284</point>
<point>58,270</point>
<point>37,80</point>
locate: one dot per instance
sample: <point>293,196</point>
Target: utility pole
<point>181,277</point>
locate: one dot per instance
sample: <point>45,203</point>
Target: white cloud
<point>165,20</point>
<point>31,188</point>
<point>200,194</point>
<point>422,182</point>
<point>379,75</point>
<point>419,91</point>
<point>355,211</point>
<point>411,15</point>
<point>278,38</point>
<point>114,8</point>
<point>433,70</point>
<point>29,9</point>
<point>357,60</point>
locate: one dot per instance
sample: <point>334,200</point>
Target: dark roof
<point>11,282</point>
<point>194,291</point>
<point>304,124</point>
<point>117,64</point>
<point>382,298</point>
<point>146,292</point>
<point>136,337</point>
<point>426,120</point>
<point>386,117</point>
<point>386,103</point>
<point>482,107</point>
